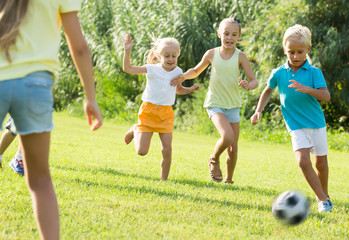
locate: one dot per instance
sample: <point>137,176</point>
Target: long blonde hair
<point>158,45</point>
<point>12,13</point>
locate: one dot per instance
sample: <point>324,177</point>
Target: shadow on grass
<point>196,183</point>
<point>170,194</point>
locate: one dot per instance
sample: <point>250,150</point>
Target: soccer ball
<point>291,208</point>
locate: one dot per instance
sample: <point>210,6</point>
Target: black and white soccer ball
<point>291,208</point>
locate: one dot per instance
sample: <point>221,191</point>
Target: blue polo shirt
<point>300,110</point>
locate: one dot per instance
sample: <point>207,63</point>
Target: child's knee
<point>228,140</point>
<point>142,151</point>
<point>303,162</point>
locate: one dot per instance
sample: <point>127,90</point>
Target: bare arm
<point>180,90</point>
<point>196,71</point>
<point>321,94</point>
<point>243,61</point>
<point>127,67</point>
<point>263,100</point>
<point>83,63</point>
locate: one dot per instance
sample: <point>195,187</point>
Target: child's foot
<point>129,135</point>
<point>328,200</point>
<point>325,207</point>
<point>17,165</point>
<point>215,171</point>
<point>229,181</point>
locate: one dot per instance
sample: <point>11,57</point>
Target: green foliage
<point>194,24</point>
<point>329,22</point>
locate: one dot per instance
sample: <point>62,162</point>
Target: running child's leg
<point>130,134</point>
<point>303,159</point>
<point>6,139</point>
<point>232,155</point>
<point>36,157</point>
<point>166,149</point>
<point>142,141</point>
<point>322,171</point>
<point>227,138</point>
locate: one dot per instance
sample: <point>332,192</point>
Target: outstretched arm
<point>321,94</point>
<point>180,90</point>
<point>253,83</point>
<point>83,63</point>
<point>127,67</point>
<point>196,71</point>
<point>261,104</point>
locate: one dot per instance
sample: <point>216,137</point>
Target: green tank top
<point>223,90</point>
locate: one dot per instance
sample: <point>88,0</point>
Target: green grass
<point>106,191</point>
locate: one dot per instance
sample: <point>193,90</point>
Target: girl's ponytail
<point>158,44</point>
<point>12,13</point>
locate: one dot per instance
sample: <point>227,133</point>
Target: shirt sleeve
<point>318,79</point>
<point>272,82</point>
<point>66,6</point>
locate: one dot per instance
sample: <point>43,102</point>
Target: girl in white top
<point>156,113</point>
<point>223,100</point>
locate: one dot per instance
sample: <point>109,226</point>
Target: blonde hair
<point>12,13</point>
<point>158,44</point>
<point>298,32</point>
<point>230,20</point>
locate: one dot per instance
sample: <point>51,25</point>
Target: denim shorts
<point>232,114</point>
<point>29,101</point>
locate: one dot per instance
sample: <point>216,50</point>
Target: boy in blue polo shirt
<point>301,86</point>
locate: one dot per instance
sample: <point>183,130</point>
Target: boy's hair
<point>230,20</point>
<point>12,13</point>
<point>298,32</point>
<point>158,45</point>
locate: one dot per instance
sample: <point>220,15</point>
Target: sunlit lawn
<point>106,191</point>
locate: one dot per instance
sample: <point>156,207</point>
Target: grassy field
<point>106,191</point>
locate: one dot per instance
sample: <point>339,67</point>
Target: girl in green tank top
<point>223,93</point>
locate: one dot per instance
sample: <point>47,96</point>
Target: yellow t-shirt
<point>223,89</point>
<point>38,41</point>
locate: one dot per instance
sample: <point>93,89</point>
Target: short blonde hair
<point>158,45</point>
<point>298,32</point>
<point>230,20</point>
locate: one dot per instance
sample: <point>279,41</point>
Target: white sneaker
<point>325,207</point>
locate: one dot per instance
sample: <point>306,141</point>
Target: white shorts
<point>315,139</point>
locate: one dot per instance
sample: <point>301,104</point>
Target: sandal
<point>215,177</point>
<point>229,181</point>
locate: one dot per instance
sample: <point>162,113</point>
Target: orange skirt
<point>155,118</point>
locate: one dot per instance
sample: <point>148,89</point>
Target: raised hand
<point>128,42</point>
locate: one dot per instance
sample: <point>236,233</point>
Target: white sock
<point>18,156</point>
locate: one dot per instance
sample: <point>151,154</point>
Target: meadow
<point>106,191</point>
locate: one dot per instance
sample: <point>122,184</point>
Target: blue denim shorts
<point>232,114</point>
<point>29,101</point>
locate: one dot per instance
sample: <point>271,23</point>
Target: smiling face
<point>168,56</point>
<point>296,51</point>
<point>229,33</point>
